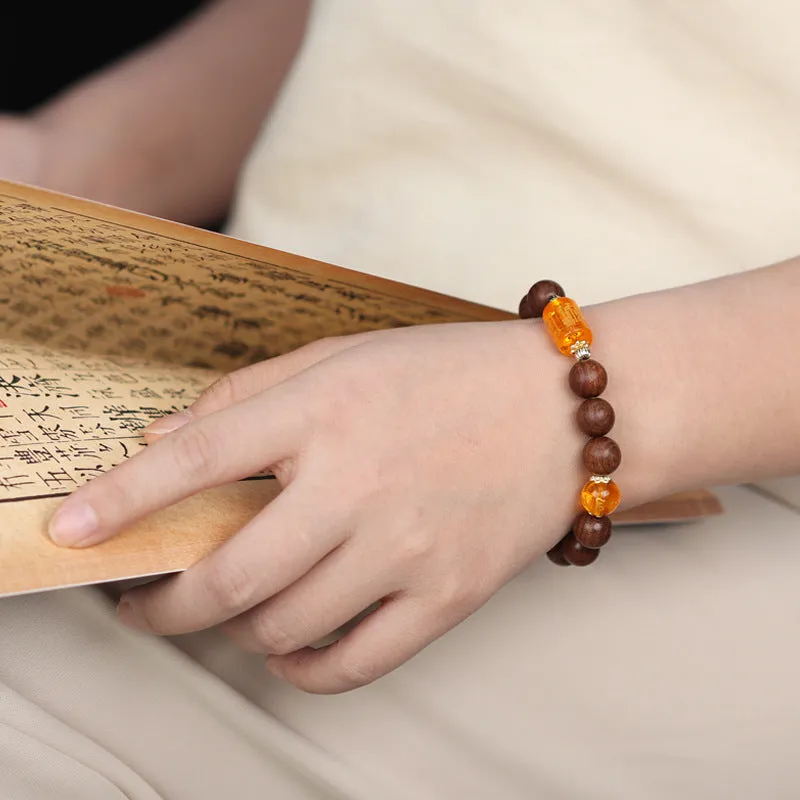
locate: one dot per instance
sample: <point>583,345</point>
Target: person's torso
<point>616,145</point>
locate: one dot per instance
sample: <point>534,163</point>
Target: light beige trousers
<point>668,670</point>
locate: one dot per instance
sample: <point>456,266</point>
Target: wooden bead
<point>595,416</point>
<point>576,554</point>
<point>601,456</point>
<point>524,311</point>
<point>591,532</point>
<point>588,378</point>
<point>557,557</point>
<point>540,294</point>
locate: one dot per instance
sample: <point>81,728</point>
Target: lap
<point>91,710</point>
<point>647,675</point>
<point>650,674</point>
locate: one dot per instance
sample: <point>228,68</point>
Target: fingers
<point>232,444</point>
<point>237,430</point>
<point>248,381</point>
<point>334,593</point>
<point>384,640</point>
<point>273,551</point>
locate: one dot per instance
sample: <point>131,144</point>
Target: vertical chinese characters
<point>65,419</point>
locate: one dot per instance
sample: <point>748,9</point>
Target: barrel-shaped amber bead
<point>566,324</point>
<point>600,497</point>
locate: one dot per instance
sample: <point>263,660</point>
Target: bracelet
<point>600,495</point>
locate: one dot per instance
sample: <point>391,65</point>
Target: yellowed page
<point>81,276</point>
<point>67,417</point>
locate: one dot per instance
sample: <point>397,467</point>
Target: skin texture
<point>424,468</point>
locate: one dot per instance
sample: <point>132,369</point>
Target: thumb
<point>248,381</point>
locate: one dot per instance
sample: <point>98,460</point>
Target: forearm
<point>704,381</point>
<point>165,131</point>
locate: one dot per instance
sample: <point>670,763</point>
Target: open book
<point>109,320</point>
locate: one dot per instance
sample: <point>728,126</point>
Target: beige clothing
<point>473,147</point>
<point>667,672</point>
<point>620,145</point>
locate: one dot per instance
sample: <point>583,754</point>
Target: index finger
<point>226,446</point>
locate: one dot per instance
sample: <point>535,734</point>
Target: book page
<point>84,277</point>
<point>67,417</point>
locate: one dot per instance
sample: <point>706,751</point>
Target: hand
<point>422,469</point>
<point>20,148</point>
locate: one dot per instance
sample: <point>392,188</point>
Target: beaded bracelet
<point>600,495</point>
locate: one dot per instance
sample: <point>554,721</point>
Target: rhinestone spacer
<point>600,479</point>
<point>581,351</point>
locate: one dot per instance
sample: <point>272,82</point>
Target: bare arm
<point>165,130</point>
<point>705,381</point>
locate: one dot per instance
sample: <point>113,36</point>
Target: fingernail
<point>130,616</point>
<point>167,424</point>
<point>72,524</point>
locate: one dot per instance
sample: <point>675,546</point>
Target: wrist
<point>645,404</point>
<point>702,382</point>
<point>593,416</point>
<point>547,420</point>
<point>626,371</point>
<point>633,391</point>
<point>676,382</point>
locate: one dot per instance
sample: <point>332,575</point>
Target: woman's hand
<point>422,468</point>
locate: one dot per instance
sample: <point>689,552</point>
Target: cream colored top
<point>473,147</point>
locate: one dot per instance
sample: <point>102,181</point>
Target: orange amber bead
<point>566,324</point>
<point>600,497</point>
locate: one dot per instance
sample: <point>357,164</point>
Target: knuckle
<point>275,638</point>
<point>458,595</point>
<point>197,454</point>
<point>231,588</point>
<point>417,545</point>
<point>221,393</point>
<point>356,672</point>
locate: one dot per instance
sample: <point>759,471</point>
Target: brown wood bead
<point>601,455</point>
<point>540,294</point>
<point>576,554</point>
<point>557,557</point>
<point>591,532</point>
<point>524,311</point>
<point>596,416</point>
<point>588,378</point>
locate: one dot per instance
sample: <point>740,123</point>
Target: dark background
<point>48,45</point>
